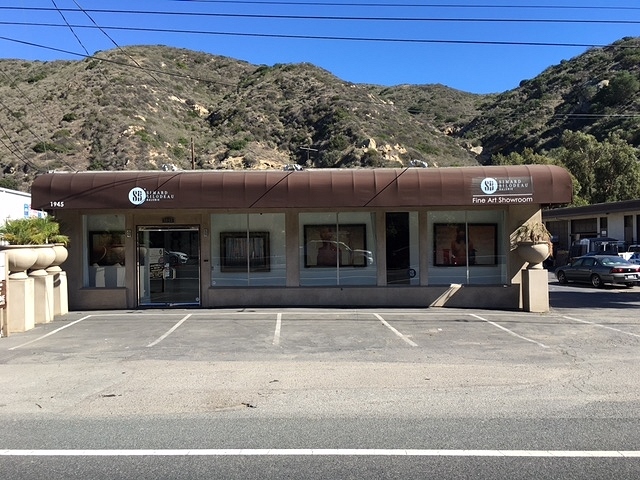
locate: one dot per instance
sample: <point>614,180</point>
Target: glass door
<point>168,266</point>
<point>398,248</point>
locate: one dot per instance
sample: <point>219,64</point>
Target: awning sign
<point>492,191</point>
<point>138,196</point>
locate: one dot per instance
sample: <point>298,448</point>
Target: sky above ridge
<point>479,47</point>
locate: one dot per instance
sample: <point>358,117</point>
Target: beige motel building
<point>411,237</point>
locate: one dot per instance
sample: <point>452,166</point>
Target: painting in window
<point>336,246</point>
<point>242,251</point>
<point>106,248</point>
<point>465,244</point>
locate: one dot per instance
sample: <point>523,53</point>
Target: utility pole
<point>308,149</point>
<point>193,156</point>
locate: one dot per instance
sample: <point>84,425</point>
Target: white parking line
<point>403,337</point>
<point>171,330</point>
<point>252,452</point>
<point>49,334</point>
<point>508,331</point>
<point>601,326</point>
<point>276,334</point>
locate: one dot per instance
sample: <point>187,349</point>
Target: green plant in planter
<point>533,232</point>
<point>33,231</point>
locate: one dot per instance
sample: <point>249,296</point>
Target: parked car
<point>176,258</point>
<point>600,269</point>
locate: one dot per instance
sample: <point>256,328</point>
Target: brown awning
<point>322,188</point>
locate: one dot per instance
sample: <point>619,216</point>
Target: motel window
<point>337,249</point>
<point>586,227</point>
<point>467,248</point>
<point>104,262</point>
<point>248,250</point>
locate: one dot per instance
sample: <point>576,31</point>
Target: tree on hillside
<point>620,90</point>
<point>607,171</point>
<point>527,157</point>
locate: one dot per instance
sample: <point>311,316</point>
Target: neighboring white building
<point>620,220</point>
<point>15,204</point>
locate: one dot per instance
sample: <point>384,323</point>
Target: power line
<point>321,37</point>
<point>48,120</point>
<point>334,18</point>
<point>18,153</point>
<point>115,62</point>
<point>111,39</point>
<point>409,5</point>
<point>70,27</point>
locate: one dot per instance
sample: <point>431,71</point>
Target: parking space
<point>396,335</point>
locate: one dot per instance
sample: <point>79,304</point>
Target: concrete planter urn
<point>20,258</point>
<point>534,253</point>
<point>61,255</point>
<point>532,242</point>
<point>46,255</point>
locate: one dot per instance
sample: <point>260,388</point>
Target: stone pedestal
<point>60,293</point>
<point>44,300</point>
<point>535,290</point>
<point>20,304</point>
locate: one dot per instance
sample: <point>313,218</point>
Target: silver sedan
<point>600,269</point>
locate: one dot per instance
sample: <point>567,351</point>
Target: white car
<point>176,258</point>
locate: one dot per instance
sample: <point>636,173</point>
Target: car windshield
<point>613,261</point>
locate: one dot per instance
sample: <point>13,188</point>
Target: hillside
<point>597,93</point>
<point>156,107</point>
<point>149,107</point>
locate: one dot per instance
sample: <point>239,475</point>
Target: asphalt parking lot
<point>600,315</point>
<point>83,357</point>
<point>270,333</point>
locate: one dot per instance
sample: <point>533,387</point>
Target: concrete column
<point>60,293</point>
<point>43,293</point>
<point>381,248</point>
<point>20,304</point>
<point>292,246</point>
<point>535,290</point>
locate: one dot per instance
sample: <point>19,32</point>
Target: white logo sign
<point>137,196</point>
<point>489,186</point>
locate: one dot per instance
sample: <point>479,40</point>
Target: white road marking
<point>601,326</point>
<point>276,335</point>
<point>171,330</point>
<point>251,452</point>
<point>49,334</point>
<point>508,331</point>
<point>403,337</point>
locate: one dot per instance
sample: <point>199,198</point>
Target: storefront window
<point>104,264</point>
<point>468,248</point>
<point>337,249</point>
<point>248,250</point>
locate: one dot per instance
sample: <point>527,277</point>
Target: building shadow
<point>578,296</point>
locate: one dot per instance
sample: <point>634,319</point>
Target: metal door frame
<point>165,228</point>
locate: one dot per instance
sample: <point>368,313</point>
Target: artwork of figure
<point>460,247</point>
<point>328,252</point>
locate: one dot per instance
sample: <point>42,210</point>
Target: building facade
<point>371,237</point>
<point>620,220</point>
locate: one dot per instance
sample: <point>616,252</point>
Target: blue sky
<point>481,47</point>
